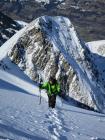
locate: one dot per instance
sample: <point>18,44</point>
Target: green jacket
<point>51,89</point>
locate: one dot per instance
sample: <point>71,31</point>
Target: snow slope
<point>22,118</point>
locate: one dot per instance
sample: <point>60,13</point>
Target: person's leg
<point>49,101</point>
<point>53,101</point>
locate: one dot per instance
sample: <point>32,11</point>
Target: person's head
<point>52,80</point>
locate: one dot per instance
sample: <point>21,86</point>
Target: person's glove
<point>40,85</point>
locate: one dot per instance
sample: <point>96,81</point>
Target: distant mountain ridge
<point>87,15</point>
<point>8,28</point>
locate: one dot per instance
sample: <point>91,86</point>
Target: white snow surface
<point>22,118</point>
<point>94,46</point>
<point>46,1</point>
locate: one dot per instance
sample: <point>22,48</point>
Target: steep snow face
<point>50,47</point>
<point>8,28</point>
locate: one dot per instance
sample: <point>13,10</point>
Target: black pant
<point>52,101</point>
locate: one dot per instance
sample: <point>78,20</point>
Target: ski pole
<point>62,101</point>
<point>40,97</point>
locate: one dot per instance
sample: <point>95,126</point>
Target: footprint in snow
<point>47,115</point>
<point>31,129</point>
<point>55,124</point>
<point>12,117</point>
<point>35,121</point>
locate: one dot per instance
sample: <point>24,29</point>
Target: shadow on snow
<point>19,132</point>
<point>7,86</point>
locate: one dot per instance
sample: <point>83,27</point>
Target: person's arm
<point>43,86</point>
<point>58,88</point>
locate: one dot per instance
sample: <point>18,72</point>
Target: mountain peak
<point>50,46</point>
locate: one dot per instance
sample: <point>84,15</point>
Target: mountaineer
<point>53,89</point>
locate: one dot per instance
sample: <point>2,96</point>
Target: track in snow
<point>55,124</point>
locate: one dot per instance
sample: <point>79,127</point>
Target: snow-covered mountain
<point>8,28</point>
<point>50,46</point>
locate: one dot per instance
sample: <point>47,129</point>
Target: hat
<point>52,79</point>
